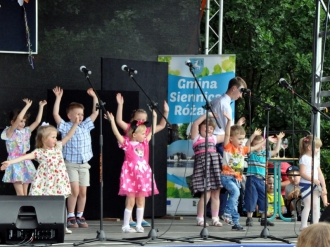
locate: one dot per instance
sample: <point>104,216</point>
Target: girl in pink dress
<point>138,115</point>
<point>136,175</point>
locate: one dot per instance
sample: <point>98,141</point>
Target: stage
<point>186,227</point>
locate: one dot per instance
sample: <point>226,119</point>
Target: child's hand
<point>77,119</point>
<point>227,116</point>
<point>166,108</point>
<point>5,164</point>
<point>257,132</point>
<point>27,101</point>
<point>42,103</point>
<point>241,121</point>
<point>317,182</point>
<point>58,91</point>
<point>120,99</point>
<point>110,115</point>
<point>91,92</point>
<point>280,135</point>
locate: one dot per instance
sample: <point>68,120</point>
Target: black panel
<point>21,216</point>
<point>152,79</point>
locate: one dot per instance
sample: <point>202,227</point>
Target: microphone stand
<point>204,234</point>
<point>314,110</point>
<point>100,233</point>
<point>152,233</point>
<point>265,232</point>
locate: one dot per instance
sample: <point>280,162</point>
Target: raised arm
<point>5,164</point>
<point>257,132</point>
<point>154,123</point>
<point>114,128</point>
<point>119,115</point>
<point>71,131</point>
<point>194,127</point>
<point>56,109</point>
<point>278,144</point>
<point>39,116</point>
<point>95,112</point>
<point>163,122</point>
<point>227,129</point>
<point>19,118</point>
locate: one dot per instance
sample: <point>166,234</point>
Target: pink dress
<point>146,151</point>
<point>135,177</point>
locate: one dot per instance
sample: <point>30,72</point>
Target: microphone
<point>86,71</point>
<point>125,68</point>
<point>189,64</point>
<point>282,82</point>
<point>245,90</point>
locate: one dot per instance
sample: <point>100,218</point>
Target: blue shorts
<point>254,194</point>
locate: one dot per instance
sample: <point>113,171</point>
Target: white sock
<point>71,215</point>
<point>79,214</point>
<point>127,216</point>
<point>139,216</point>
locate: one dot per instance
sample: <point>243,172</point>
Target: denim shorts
<point>254,194</point>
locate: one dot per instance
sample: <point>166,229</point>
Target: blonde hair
<point>306,141</point>
<point>317,235</point>
<point>138,111</point>
<point>42,133</point>
<point>256,139</point>
<point>237,130</point>
<point>138,129</point>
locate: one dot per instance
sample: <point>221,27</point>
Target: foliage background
<point>272,40</point>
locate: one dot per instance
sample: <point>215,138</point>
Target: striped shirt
<point>78,149</point>
<point>257,163</point>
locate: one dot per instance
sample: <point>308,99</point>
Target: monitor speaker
<point>24,219</point>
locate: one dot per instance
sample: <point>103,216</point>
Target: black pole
<point>152,235</point>
<point>204,234</point>
<point>100,233</point>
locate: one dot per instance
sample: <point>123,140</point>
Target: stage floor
<point>185,227</point>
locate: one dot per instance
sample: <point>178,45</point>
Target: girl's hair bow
<point>135,124</point>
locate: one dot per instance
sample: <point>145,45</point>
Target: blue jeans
<point>254,194</point>
<point>232,186</point>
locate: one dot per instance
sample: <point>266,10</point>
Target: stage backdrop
<point>152,78</point>
<point>213,73</point>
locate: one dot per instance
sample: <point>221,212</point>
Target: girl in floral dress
<point>51,178</point>
<point>17,137</point>
<point>136,175</point>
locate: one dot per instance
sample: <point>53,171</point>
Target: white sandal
<point>200,222</point>
<point>216,222</point>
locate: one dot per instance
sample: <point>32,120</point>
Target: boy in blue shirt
<point>76,153</point>
<point>256,175</point>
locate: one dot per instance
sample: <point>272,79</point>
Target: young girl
<point>136,175</point>
<point>273,198</point>
<point>138,115</point>
<point>51,178</point>
<point>198,134</point>
<point>305,161</point>
<point>17,137</point>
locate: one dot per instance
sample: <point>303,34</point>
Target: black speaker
<point>325,216</point>
<point>24,219</point>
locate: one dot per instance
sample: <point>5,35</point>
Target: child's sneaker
<point>82,222</point>
<point>269,223</point>
<point>67,231</point>
<point>249,221</point>
<point>237,227</point>
<point>72,223</point>
<point>139,229</point>
<point>128,229</point>
<point>145,223</point>
<point>132,224</point>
